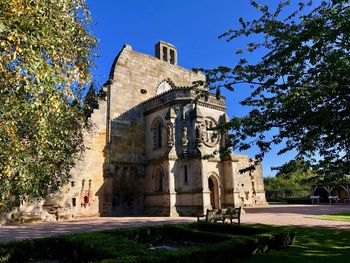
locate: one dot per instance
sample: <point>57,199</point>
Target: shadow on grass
<point>311,245</point>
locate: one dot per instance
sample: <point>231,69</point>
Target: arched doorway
<point>322,193</point>
<point>213,185</point>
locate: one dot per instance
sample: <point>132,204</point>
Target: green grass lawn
<point>311,245</point>
<point>208,243</point>
<point>335,217</point>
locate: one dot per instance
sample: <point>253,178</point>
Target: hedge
<point>202,242</point>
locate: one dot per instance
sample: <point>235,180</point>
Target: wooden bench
<point>315,199</point>
<point>207,217</point>
<point>334,198</point>
<point>216,215</point>
<point>233,213</point>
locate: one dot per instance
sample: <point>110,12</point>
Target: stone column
<point>206,191</point>
<point>172,157</point>
<point>172,192</point>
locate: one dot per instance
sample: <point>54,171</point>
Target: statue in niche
<point>203,133</point>
<point>170,132</point>
<point>184,136</point>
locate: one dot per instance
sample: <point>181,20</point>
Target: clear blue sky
<point>193,26</point>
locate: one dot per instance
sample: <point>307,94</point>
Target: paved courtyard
<point>292,215</point>
<point>296,215</point>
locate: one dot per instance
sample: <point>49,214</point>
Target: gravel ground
<point>291,215</point>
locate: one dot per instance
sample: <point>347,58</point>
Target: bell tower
<point>166,52</point>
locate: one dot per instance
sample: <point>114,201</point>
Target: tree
<point>300,86</point>
<point>45,54</point>
<point>298,169</point>
<point>295,179</point>
<point>90,101</point>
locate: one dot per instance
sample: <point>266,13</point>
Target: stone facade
<point>152,149</point>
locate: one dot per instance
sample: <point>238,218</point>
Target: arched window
<point>159,135</point>
<point>163,87</point>
<point>157,129</point>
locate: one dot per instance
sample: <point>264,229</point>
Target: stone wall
<point>248,185</point>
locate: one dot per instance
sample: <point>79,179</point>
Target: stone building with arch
<point>339,190</point>
<point>152,149</point>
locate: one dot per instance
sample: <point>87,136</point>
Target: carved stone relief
<point>207,135</point>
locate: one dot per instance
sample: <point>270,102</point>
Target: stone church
<point>153,150</point>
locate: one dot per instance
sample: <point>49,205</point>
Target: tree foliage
<point>300,89</point>
<point>45,55</point>
<point>294,179</point>
<point>90,101</point>
<point>296,168</point>
<point>278,184</point>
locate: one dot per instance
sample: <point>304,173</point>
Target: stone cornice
<point>183,95</point>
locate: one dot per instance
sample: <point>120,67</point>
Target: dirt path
<point>292,215</point>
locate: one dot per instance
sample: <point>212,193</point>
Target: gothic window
<point>159,135</point>
<point>185,175</point>
<point>89,184</point>
<point>157,130</point>
<point>74,202</point>
<point>82,183</point>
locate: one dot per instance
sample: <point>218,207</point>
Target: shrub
<point>299,200</point>
<point>207,242</point>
